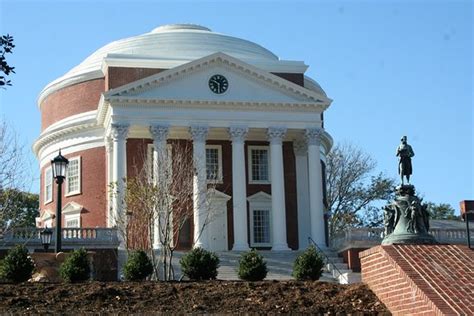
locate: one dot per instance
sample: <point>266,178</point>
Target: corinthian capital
<point>159,132</point>
<point>238,133</point>
<point>300,147</point>
<point>313,136</point>
<point>119,131</point>
<point>276,134</point>
<point>199,133</point>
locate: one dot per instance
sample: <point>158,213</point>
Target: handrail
<point>328,261</point>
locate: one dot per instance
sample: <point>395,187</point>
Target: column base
<point>280,247</point>
<point>241,247</point>
<point>200,244</point>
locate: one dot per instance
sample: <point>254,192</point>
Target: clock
<point>218,84</point>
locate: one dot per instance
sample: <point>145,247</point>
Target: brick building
<point>257,120</point>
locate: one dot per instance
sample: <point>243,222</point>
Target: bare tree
<point>15,174</point>
<point>159,203</point>
<point>351,189</point>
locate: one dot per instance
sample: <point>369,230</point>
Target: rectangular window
<point>261,227</point>
<point>259,164</point>
<point>48,185</point>
<point>73,176</point>
<point>214,163</point>
<point>73,223</point>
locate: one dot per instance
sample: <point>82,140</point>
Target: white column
<point>302,192</point>
<point>275,135</point>
<point>119,171</point>
<point>316,205</point>
<point>199,135</point>
<point>239,188</point>
<point>160,135</point>
<point>109,155</point>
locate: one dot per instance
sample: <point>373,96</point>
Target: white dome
<point>185,42</point>
<point>178,43</point>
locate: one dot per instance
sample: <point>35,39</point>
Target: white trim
<point>72,217</point>
<point>260,201</point>
<point>219,178</point>
<point>47,200</point>
<point>249,163</point>
<point>79,177</point>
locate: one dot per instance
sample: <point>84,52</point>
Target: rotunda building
<point>253,122</point>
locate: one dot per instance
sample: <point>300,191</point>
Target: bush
<point>309,265</point>
<point>75,267</point>
<point>200,264</point>
<point>252,266</point>
<point>138,266</point>
<point>17,266</point>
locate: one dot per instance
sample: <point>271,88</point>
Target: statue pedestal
<point>406,219</point>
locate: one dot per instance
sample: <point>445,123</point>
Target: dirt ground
<point>190,297</point>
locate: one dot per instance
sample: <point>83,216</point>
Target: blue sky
<point>392,68</point>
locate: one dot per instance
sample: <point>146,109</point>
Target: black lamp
<point>45,236</point>
<point>59,167</point>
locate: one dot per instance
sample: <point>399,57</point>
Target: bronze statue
<point>406,218</point>
<point>405,152</point>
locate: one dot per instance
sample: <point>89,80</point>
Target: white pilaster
<point>199,135</point>
<point>239,188</point>
<point>275,136</point>
<point>160,135</point>
<point>119,134</point>
<point>302,192</point>
<point>316,205</point>
<point>109,155</point>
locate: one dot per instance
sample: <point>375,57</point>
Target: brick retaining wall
<point>421,279</point>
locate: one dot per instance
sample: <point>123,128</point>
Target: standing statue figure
<point>405,152</point>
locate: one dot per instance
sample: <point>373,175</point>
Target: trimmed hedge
<point>75,267</point>
<point>252,266</point>
<point>309,265</point>
<point>200,264</point>
<point>138,266</point>
<point>17,266</point>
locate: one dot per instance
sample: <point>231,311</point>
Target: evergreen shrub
<point>200,264</point>
<point>75,267</point>
<point>138,266</point>
<point>17,266</point>
<point>309,265</point>
<point>252,266</point>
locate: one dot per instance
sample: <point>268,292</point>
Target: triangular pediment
<point>190,82</point>
<point>260,197</point>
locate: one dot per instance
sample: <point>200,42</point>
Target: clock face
<point>218,84</point>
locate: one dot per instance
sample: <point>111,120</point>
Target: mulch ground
<point>190,297</point>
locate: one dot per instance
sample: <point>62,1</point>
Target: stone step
<point>350,278</point>
<point>336,266</point>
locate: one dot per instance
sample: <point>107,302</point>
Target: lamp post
<point>45,236</point>
<point>59,167</point>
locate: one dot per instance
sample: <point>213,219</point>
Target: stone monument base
<point>414,239</point>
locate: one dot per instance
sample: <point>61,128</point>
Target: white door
<point>217,232</point>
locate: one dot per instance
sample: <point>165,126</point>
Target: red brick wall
<point>293,77</point>
<point>93,195</point>
<point>75,99</point>
<point>351,257</point>
<point>119,76</point>
<point>421,279</point>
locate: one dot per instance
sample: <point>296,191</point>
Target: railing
<point>368,237</point>
<point>87,237</point>
<point>328,261</point>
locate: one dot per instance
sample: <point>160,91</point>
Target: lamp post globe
<point>45,236</point>
<point>59,167</point>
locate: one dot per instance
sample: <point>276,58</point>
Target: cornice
<point>57,135</point>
